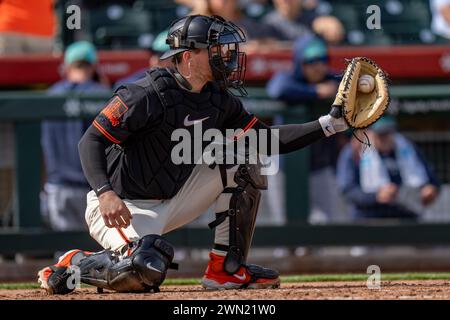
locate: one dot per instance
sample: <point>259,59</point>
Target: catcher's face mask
<point>221,38</point>
<point>226,61</point>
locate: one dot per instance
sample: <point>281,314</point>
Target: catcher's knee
<point>250,174</point>
<point>152,258</point>
<point>144,270</point>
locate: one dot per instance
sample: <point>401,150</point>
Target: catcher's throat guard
<point>359,109</point>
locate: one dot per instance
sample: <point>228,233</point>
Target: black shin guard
<point>242,213</point>
<point>144,270</point>
<point>106,270</point>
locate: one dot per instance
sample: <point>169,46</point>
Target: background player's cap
<point>159,45</point>
<point>386,124</point>
<point>315,50</point>
<point>80,51</point>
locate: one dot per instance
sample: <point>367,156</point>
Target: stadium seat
<point>118,26</point>
<point>411,24</point>
<point>402,22</point>
<point>162,13</point>
<point>132,24</point>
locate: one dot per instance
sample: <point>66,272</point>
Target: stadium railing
<point>425,103</point>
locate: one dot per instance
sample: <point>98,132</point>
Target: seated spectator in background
<point>260,37</point>
<point>391,179</point>
<point>330,29</point>
<point>311,81</point>
<point>440,24</point>
<point>231,11</point>
<point>159,46</point>
<point>27,26</point>
<point>66,187</point>
<point>291,21</point>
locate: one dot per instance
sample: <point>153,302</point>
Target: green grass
<point>13,286</point>
<point>363,277</point>
<point>284,279</point>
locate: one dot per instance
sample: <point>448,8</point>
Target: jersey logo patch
<point>114,110</point>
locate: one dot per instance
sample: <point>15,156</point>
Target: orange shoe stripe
<point>65,261</point>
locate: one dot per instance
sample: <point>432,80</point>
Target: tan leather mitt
<point>361,109</point>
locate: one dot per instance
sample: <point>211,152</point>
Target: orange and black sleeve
<point>126,112</point>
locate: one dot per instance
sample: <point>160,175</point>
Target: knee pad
<point>251,173</point>
<point>243,208</point>
<point>144,270</point>
<point>152,258</point>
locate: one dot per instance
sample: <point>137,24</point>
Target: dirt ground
<point>430,289</point>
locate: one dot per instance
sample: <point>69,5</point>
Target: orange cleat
<point>54,279</point>
<point>247,277</point>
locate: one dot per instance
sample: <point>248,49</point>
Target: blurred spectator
<point>255,8</point>
<point>159,46</point>
<point>440,10</point>
<point>260,37</point>
<point>292,20</point>
<point>329,28</point>
<point>289,20</point>
<point>66,187</point>
<point>196,6</point>
<point>311,81</point>
<point>391,179</point>
<point>230,10</point>
<point>26,26</point>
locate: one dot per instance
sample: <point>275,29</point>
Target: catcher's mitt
<point>360,109</point>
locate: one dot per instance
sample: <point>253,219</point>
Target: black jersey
<point>139,121</point>
<point>128,147</point>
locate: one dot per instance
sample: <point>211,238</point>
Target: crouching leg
<point>143,270</point>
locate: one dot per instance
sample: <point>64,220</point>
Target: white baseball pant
<point>202,190</point>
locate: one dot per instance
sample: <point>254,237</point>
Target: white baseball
<point>366,83</point>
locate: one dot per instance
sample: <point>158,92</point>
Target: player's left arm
<point>291,137</point>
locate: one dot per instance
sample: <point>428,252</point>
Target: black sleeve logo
<point>115,110</point>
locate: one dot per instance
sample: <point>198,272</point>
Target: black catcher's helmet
<point>203,32</point>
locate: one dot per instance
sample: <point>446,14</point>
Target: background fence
<point>422,111</point>
<point>417,60</point>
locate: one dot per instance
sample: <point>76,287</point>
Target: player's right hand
<point>428,194</point>
<point>387,193</point>
<point>327,89</point>
<point>114,211</point>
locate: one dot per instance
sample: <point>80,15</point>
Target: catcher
<point>139,194</point>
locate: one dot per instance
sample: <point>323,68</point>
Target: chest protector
<point>147,169</point>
